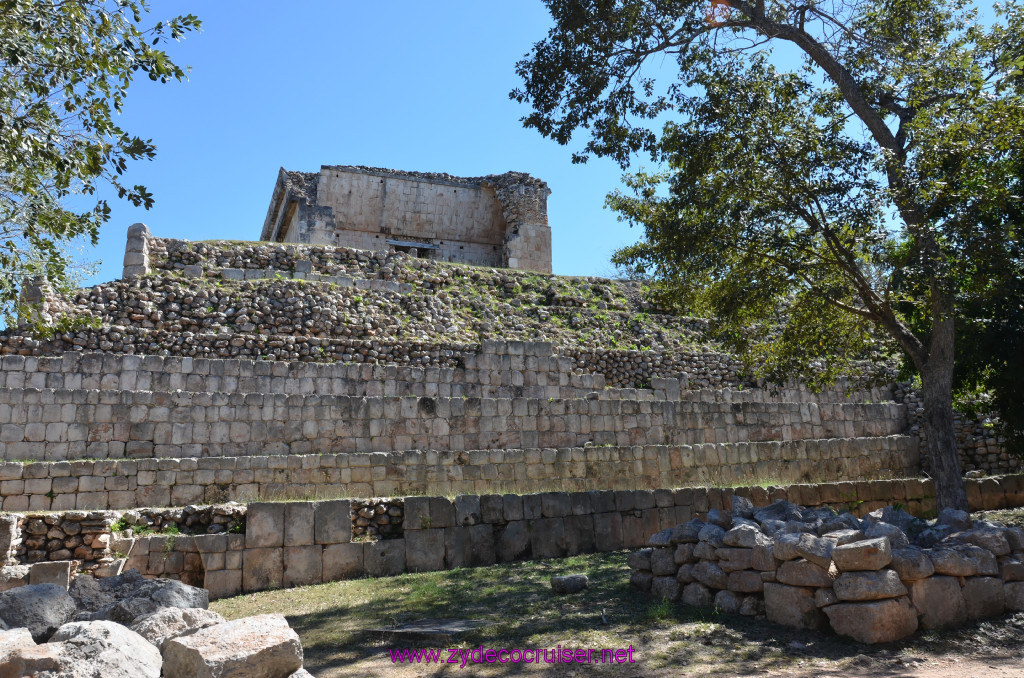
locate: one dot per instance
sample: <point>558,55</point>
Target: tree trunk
<point>937,386</point>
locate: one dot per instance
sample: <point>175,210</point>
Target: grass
<point>337,623</point>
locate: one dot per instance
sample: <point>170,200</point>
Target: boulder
<point>569,583</point>
<point>844,536</point>
<point>964,560</point>
<point>150,597</point>
<point>1015,536</point>
<point>955,519</point>
<point>685,574</point>
<point>684,554</point>
<point>660,538</point>
<point>35,660</point>
<point>41,609</point>
<point>870,554</point>
<point>728,602</point>
<point>803,573</point>
<point>989,538</point>
<point>780,510</point>
<point>663,562</point>
<point>912,564</point>
<point>823,597</point>
<point>719,518</point>
<point>666,588</point>
<point>939,601</point>
<point>255,647</point>
<point>1011,569</point>
<point>896,517</point>
<point>91,594</point>
<point>784,547</point>
<point>752,606</point>
<point>688,532</point>
<point>859,586</point>
<point>792,606</point>
<point>742,507</point>
<point>733,559</point>
<point>171,622</point>
<point>762,558</point>
<point>815,549</point>
<point>712,534</point>
<point>640,560</point>
<point>882,621</point>
<point>984,597</point>
<point>745,536</point>
<point>698,595</point>
<point>705,551</point>
<point>641,579</point>
<point>745,581</point>
<point>710,574</point>
<point>897,537</point>
<point>107,649</point>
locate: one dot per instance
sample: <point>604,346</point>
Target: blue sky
<point>407,85</point>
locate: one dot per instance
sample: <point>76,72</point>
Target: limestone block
<point>555,504</point>
<point>223,583</point>
<point>882,621</point>
<point>870,554</point>
<point>939,601</point>
<point>1011,569</point>
<point>792,606</point>
<point>417,513</point>
<point>912,563</point>
<point>332,522</point>
<point>733,559</point>
<point>384,558</point>
<point>424,550</point>
<point>263,646</point>
<point>262,569</point>
<point>492,510</point>
<point>746,536</point>
<point>442,512</point>
<point>547,538</point>
<point>663,562</point>
<point>298,523</point>
<point>698,595</point>
<point>343,561</point>
<point>815,549</point>
<point>303,565</point>
<point>823,597</point>
<point>264,525</point>
<point>665,588</point>
<point>868,585</point>
<point>579,534</point>
<point>513,542</point>
<point>56,572</point>
<point>641,580</point>
<point>784,547</point>
<point>709,574</point>
<point>984,597</point>
<point>1013,595</point>
<point>467,510</point>
<point>640,560</point>
<point>684,554</point>
<point>745,581</point>
<point>803,573</point>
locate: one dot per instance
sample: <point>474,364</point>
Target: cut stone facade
<point>498,220</point>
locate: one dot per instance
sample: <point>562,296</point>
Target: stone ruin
<point>559,411</point>
<point>497,220</point>
<point>876,579</point>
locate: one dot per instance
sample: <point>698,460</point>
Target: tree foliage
<point>65,68</point>
<point>866,193</point>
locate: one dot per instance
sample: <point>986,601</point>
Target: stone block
<point>882,621</point>
<point>983,597</point>
<point>262,569</point>
<point>263,645</point>
<point>698,595</point>
<point>332,522</point>
<point>579,534</point>
<point>343,561</point>
<point>384,558</point>
<point>939,601</point>
<point>264,525</point>
<point>745,581</point>
<point>417,513</point>
<point>513,542</point>
<point>793,606</point>
<point>803,573</point>
<point>1013,596</point>
<point>868,585</point>
<point>608,532</point>
<point>555,504</point>
<point>424,550</point>
<point>870,554</point>
<point>468,510</point>
<point>56,572</point>
<point>298,523</point>
<point>223,583</point>
<point>547,538</point>
<point>442,512</point>
<point>666,588</point>
<point>492,510</point>
<point>303,565</point>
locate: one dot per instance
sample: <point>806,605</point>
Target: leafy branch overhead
<point>66,68</point>
<point>834,176</point>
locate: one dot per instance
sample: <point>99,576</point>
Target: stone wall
<point>63,424</point>
<point>119,484</point>
<point>296,543</point>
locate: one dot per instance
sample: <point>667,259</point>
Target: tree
<point>870,193</point>
<point>65,67</point>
